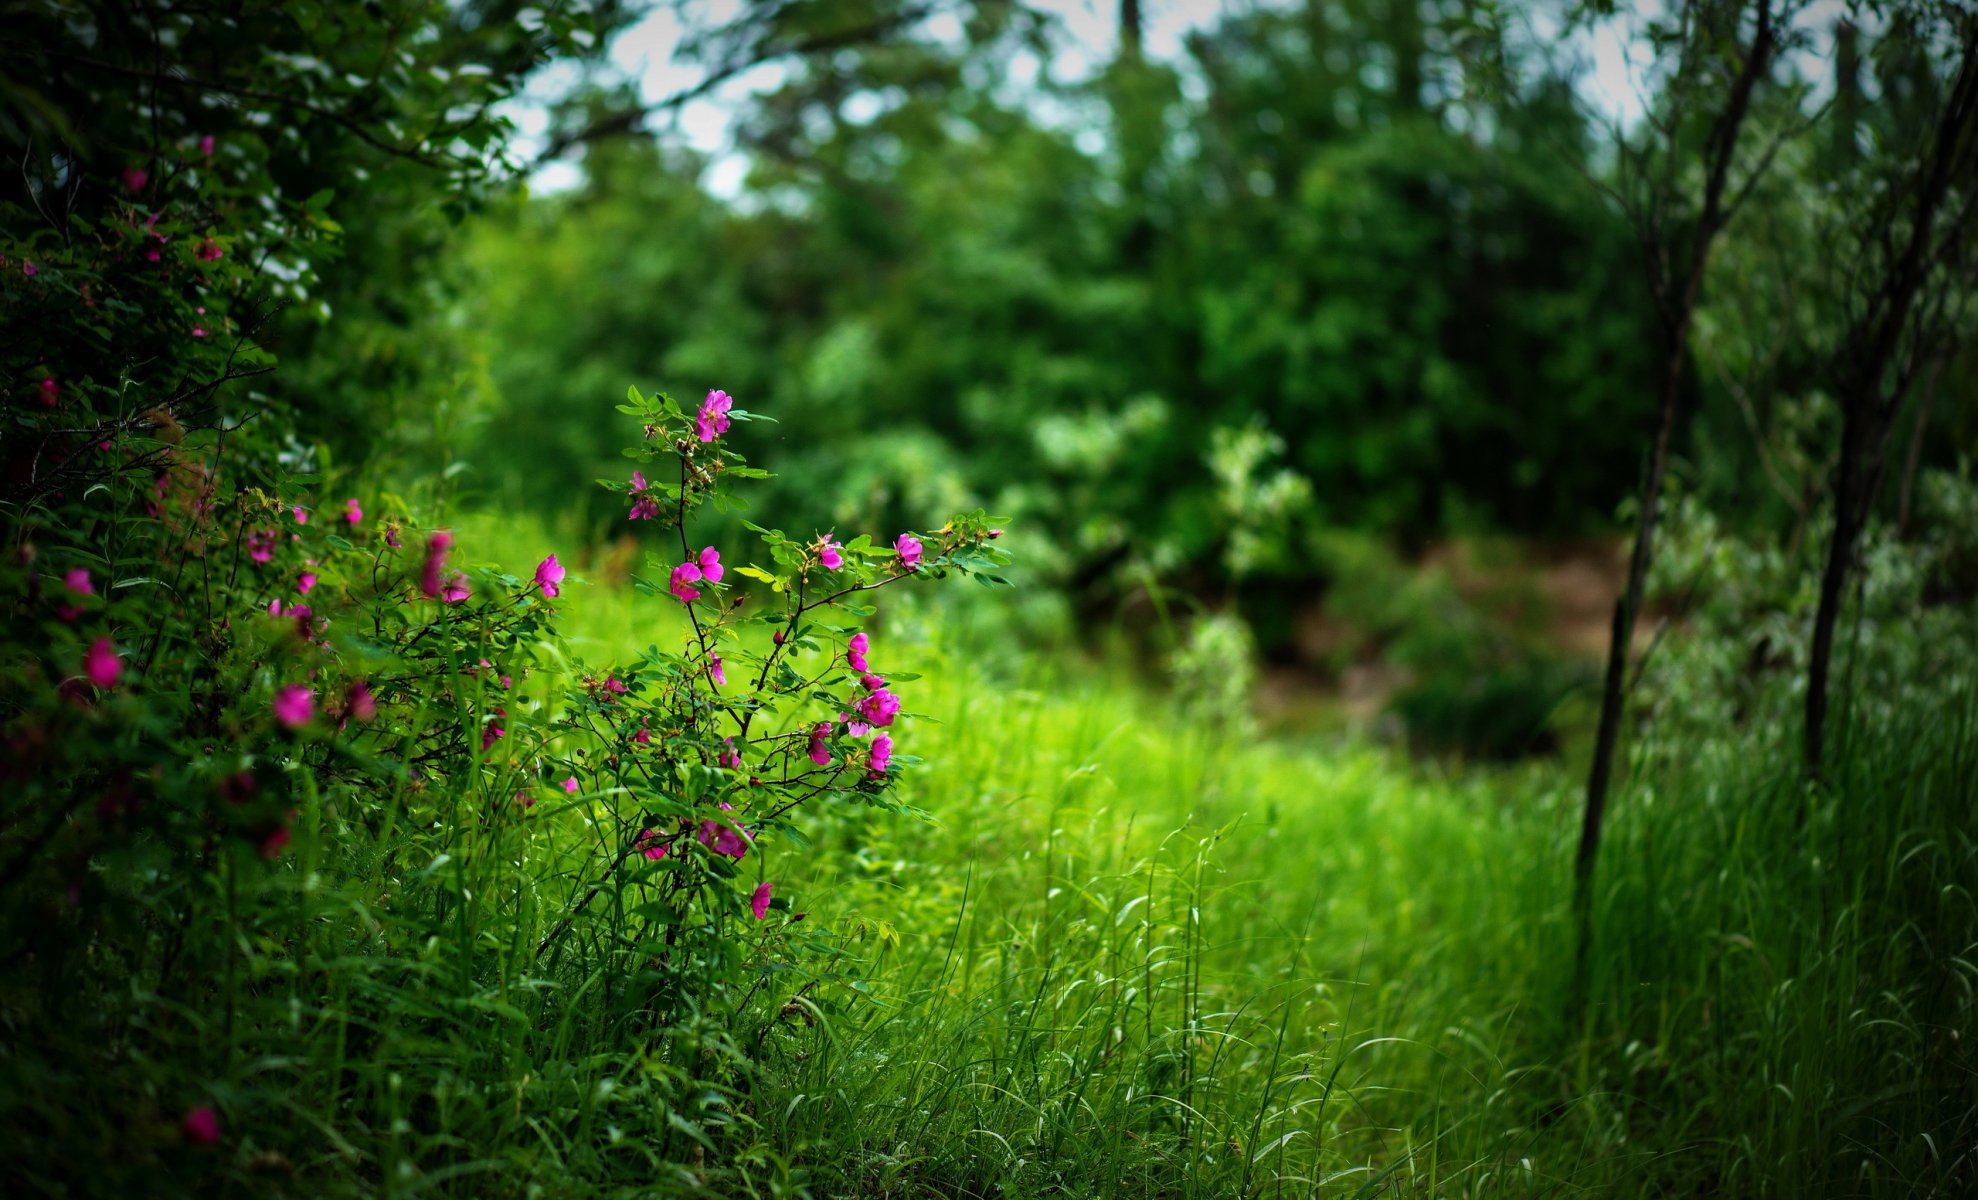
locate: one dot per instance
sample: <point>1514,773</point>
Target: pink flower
<point>613,686</point>
<point>363,705</point>
<point>261,544</point>
<point>643,737</point>
<point>206,145</point>
<point>271,846</point>
<point>456,588</point>
<point>102,664</point>
<point>871,682</point>
<point>77,581</point>
<point>882,754</point>
<point>29,269</point>
<point>294,705</point>
<point>855,651</point>
<point>209,251</point>
<point>644,507</point>
<point>831,554</point>
<point>908,547</point>
<point>549,573</point>
<point>723,839</point>
<point>391,536</point>
<point>729,756</point>
<point>135,178</point>
<point>854,726</point>
<point>197,330</point>
<point>201,1126</point>
<point>706,567</point>
<point>351,512</point>
<point>301,515</point>
<point>49,391</point>
<point>712,421</point>
<point>650,844</point>
<point>879,707</point>
<point>571,785</point>
<point>685,576</point>
<point>430,581</point>
<point>819,752</point>
<point>759,900</point>
<point>525,800</point>
<point>307,581</point>
<point>715,672</point>
<point>492,732</point>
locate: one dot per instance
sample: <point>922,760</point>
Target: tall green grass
<point>1129,954</point>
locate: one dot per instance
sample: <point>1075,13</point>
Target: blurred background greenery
<point>1308,322</point>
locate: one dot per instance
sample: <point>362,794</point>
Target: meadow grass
<point>1126,954</point>
<point>1135,955</point>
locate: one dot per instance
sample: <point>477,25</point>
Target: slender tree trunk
<point>1869,399</point>
<point>1679,307</point>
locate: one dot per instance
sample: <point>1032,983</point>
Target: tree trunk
<point>1869,398</point>
<point>1679,307</point>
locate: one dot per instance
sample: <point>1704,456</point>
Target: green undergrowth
<point>1127,953</point>
<point>1134,955</point>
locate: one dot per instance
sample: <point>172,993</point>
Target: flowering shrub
<point>773,702</point>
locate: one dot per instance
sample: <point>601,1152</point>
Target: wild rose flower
<point>831,555</point>
<point>706,566</point>
<point>712,420</point>
<point>49,391</point>
<point>201,1126</point>
<point>759,900</point>
<point>102,664</point>
<point>209,251</point>
<point>871,682</point>
<point>301,514</point>
<point>715,672</point>
<point>77,581</point>
<point>643,737</point>
<point>135,178</point>
<point>881,756</point>
<point>651,844</point>
<point>614,686</point>
<point>29,269</point>
<point>362,704</point>
<point>722,839</point>
<point>854,726</point>
<point>525,800</point>
<point>685,576</point>
<point>352,512</point>
<point>295,705</point>
<point>307,581</point>
<point>729,756</point>
<point>492,732</point>
<point>430,579</point>
<point>879,707</point>
<point>819,753</point>
<point>643,507</point>
<point>855,651</point>
<point>206,145</point>
<point>391,536</point>
<point>908,548</point>
<point>549,574</point>
<point>571,785</point>
<point>261,545</point>
<point>456,588</point>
